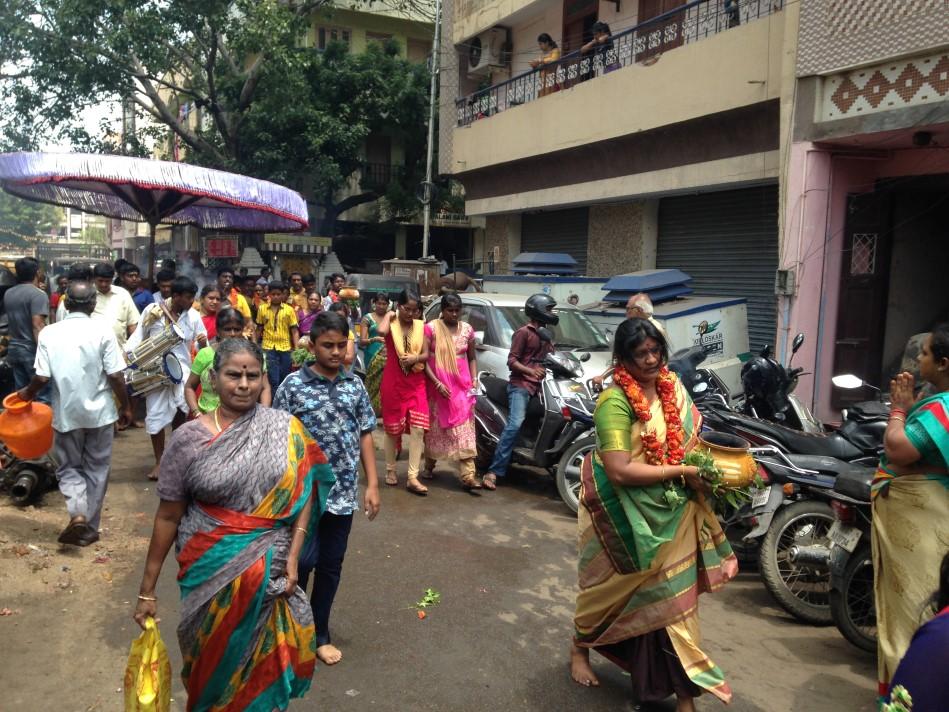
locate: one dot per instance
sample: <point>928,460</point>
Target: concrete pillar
<point>400,240</point>
<point>650,233</point>
<point>502,241</point>
<point>614,244</point>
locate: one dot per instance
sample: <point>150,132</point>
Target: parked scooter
<point>852,603</point>
<point>557,431</point>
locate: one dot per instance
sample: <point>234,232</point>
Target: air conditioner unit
<point>487,51</point>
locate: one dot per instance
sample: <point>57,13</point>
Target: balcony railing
<point>692,22</point>
<point>379,175</point>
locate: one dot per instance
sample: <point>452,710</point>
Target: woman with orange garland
<point>649,543</point>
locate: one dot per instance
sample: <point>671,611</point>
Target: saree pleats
<point>246,644</point>
<point>910,535</point>
<point>643,562</point>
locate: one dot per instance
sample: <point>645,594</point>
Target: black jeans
<point>324,554</point>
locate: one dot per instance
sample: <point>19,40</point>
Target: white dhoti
<point>161,405</point>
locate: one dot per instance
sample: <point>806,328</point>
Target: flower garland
<point>673,452</point>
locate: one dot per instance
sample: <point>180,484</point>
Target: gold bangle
<point>301,529</point>
<point>896,417</point>
<point>146,598</point>
<point>662,472</point>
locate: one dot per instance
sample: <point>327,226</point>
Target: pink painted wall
<point>818,181</point>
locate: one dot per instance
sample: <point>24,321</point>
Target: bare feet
<point>153,475</point>
<point>329,654</point>
<point>580,669</point>
<point>490,481</point>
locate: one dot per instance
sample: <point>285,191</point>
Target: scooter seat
<point>831,445</point>
<point>496,390</point>
<point>855,483</point>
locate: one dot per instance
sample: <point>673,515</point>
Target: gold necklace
<point>217,423</point>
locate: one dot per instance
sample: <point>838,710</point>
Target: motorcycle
<point>558,428</point>
<point>791,514</point>
<point>852,604</point>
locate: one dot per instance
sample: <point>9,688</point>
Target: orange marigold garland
<point>673,452</point>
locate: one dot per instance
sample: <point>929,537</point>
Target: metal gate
<point>728,242</point>
<point>557,231</point>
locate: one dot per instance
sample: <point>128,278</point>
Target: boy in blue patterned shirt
<point>335,407</point>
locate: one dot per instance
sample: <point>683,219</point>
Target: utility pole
<point>428,188</point>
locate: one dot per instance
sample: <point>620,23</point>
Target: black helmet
<point>540,307</point>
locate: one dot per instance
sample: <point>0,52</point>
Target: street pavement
<point>503,562</point>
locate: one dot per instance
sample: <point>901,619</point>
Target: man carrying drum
<point>166,405</point>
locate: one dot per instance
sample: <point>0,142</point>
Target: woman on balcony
<point>551,55</point>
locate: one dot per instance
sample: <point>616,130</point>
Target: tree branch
<point>352,201</point>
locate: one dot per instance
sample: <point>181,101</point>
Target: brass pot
<point>731,455</point>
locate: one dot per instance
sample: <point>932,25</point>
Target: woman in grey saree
<point>239,488</point>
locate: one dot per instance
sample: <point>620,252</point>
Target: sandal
<point>490,481</point>
<point>470,483</point>
<point>416,487</point>
<point>427,475</point>
<point>391,478</point>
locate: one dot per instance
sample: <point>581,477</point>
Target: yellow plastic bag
<point>148,673</point>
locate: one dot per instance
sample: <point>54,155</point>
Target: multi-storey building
<point>663,148</point>
<point>864,253</point>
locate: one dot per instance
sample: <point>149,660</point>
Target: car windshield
<point>574,331</point>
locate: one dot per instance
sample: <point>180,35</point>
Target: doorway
<point>894,265</point>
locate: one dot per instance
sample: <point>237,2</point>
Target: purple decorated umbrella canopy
<point>155,192</point>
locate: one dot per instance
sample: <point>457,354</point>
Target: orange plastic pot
<point>26,427</point>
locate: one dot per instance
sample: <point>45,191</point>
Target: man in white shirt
<point>166,406</point>
<point>81,358</point>
<point>114,304</point>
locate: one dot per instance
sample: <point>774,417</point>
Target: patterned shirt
<point>337,414</point>
<point>277,323</point>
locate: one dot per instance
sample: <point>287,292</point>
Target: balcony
<point>639,45</point>
<point>376,176</point>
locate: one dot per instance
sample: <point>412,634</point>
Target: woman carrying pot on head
<point>229,324</point>
<point>911,503</point>
<point>404,399</point>
<point>241,488</point>
<point>452,372</point>
<point>649,543</point>
<point>373,345</point>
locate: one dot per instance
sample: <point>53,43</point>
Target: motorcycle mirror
<point>847,380</point>
<point>797,343</point>
<point>585,357</point>
<point>545,334</point>
<point>700,387</point>
<point>479,337</point>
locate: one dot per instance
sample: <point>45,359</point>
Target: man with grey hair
<point>81,357</point>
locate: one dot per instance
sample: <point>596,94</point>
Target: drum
<point>147,355</point>
<point>166,372</point>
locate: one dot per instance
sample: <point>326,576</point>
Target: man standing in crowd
<point>264,279</point>
<point>81,358</point>
<point>278,333</point>
<point>297,292</point>
<point>231,295</point>
<point>166,405</point>
<point>337,282</point>
<point>27,310</point>
<point>248,287</point>
<point>130,278</point>
<point>57,294</point>
<point>113,303</point>
<point>163,280</point>
<point>529,346</point>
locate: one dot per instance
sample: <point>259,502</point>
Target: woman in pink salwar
<point>451,374</point>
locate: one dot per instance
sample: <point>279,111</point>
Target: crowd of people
<point>259,483</point>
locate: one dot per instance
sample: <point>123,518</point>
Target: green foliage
<point>722,495</point>
<point>431,598</point>
<point>22,221</point>
<point>256,102</point>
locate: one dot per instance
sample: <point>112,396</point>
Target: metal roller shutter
<point>728,243</point>
<point>557,231</point>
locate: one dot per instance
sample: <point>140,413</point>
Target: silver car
<point>495,318</point>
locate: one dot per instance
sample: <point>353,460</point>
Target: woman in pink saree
<point>451,375</point>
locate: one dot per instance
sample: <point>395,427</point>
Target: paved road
<point>504,563</point>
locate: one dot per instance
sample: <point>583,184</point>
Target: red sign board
<point>221,247</point>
